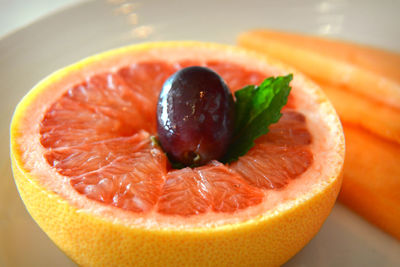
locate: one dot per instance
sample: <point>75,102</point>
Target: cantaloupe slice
<point>373,116</point>
<point>371,184</point>
<point>333,65</point>
<point>364,85</point>
<point>385,63</point>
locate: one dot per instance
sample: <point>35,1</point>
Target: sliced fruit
<point>91,177</point>
<point>371,183</point>
<point>327,66</point>
<point>371,117</point>
<point>378,61</point>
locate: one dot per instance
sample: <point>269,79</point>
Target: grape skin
<point>195,115</point>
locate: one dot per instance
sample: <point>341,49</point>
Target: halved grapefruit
<point>92,179</point>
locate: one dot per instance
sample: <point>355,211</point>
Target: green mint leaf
<point>256,108</point>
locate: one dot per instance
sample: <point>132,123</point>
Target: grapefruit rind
<point>92,237</point>
<point>268,240</point>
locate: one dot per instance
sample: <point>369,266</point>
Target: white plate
<point>31,53</point>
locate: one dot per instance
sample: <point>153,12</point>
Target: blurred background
<point>15,14</point>
<point>371,22</point>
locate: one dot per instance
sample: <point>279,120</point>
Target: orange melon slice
<point>378,80</point>
<point>372,116</point>
<point>92,179</point>
<point>343,70</point>
<point>371,183</point>
<point>376,60</point>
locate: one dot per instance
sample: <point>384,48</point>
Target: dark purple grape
<point>195,116</point>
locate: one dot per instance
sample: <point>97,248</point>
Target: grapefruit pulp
<point>92,179</point>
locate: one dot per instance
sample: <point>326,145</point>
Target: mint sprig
<point>256,108</point>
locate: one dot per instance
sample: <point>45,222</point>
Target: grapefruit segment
<point>80,159</point>
<point>271,166</point>
<point>114,171</point>
<point>91,112</point>
<point>145,80</point>
<point>290,130</point>
<point>228,190</point>
<point>184,193</point>
<point>280,155</point>
<point>133,182</point>
<point>208,188</point>
<point>113,198</point>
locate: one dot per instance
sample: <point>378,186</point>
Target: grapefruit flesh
<point>91,135</point>
<point>91,177</point>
